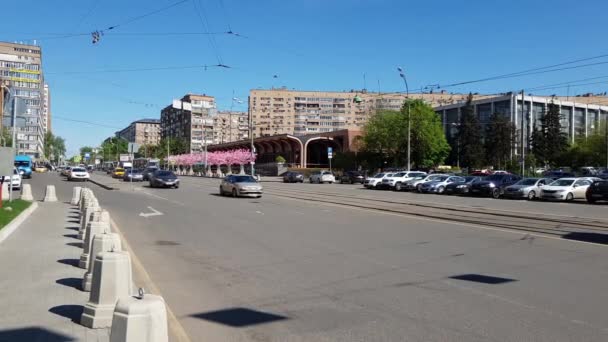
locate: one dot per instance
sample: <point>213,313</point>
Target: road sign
<point>87,156</point>
<point>7,161</point>
<point>124,158</point>
<point>133,148</point>
<point>330,152</point>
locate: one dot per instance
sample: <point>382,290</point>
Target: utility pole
<point>251,136</point>
<point>523,134</point>
<point>409,118</point>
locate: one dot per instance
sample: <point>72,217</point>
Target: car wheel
<point>496,193</point>
<point>352,182</point>
<point>531,195</point>
<point>569,197</point>
<point>590,200</point>
<point>177,186</point>
<point>398,187</point>
<point>419,188</point>
<point>234,194</point>
<point>221,191</point>
<point>440,189</point>
<point>310,180</point>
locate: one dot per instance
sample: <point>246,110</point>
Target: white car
<point>566,189</point>
<point>78,173</point>
<point>398,180</point>
<point>374,181</point>
<point>15,179</point>
<point>322,177</point>
<point>417,184</point>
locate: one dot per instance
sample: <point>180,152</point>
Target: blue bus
<point>24,164</point>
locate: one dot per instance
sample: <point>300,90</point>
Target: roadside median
<point>103,182</point>
<point>10,219</point>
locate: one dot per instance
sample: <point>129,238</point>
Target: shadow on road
<point>75,244</point>
<point>33,334</point>
<point>239,317</point>
<point>71,262</point>
<point>73,312</point>
<point>70,282</point>
<point>72,236</point>
<point>588,237</point>
<point>484,279</point>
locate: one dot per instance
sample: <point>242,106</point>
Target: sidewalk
<point>40,283</point>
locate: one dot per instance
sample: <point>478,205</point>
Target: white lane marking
<point>161,197</point>
<point>153,213</point>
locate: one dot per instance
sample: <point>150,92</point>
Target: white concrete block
<point>26,193</point>
<point>90,214</point>
<point>76,195</point>
<point>101,243</point>
<point>112,280</point>
<point>5,193</point>
<point>140,319</point>
<point>93,228</point>
<point>49,195</point>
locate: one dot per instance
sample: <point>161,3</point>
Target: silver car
<point>529,188</point>
<point>241,185</point>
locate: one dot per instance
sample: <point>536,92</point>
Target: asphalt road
<point>284,269</point>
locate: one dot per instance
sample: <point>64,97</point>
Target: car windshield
<point>379,175</point>
<point>494,178</point>
<point>562,182</point>
<point>327,173</point>
<point>243,179</point>
<point>134,171</point>
<point>434,177</point>
<point>441,178</point>
<point>400,174</point>
<point>78,169</point>
<point>165,174</point>
<point>527,181</point>
<point>470,178</point>
<point>22,163</point>
<point>119,170</point>
<point>389,175</point>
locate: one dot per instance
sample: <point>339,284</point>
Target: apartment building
<point>46,109</point>
<point>143,132</point>
<point>190,118</point>
<point>230,126</point>
<point>21,74</point>
<point>284,111</point>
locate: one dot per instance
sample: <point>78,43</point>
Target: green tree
<point>500,135</point>
<point>49,144</point>
<point>58,148</point>
<point>112,148</point>
<point>550,142</point>
<point>470,137</point>
<point>7,138</point>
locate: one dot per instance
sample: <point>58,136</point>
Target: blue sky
<point>309,44</point>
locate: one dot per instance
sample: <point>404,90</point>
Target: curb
<point>17,221</point>
<point>107,187</point>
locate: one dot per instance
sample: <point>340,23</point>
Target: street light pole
<point>409,118</point>
<point>251,137</point>
<point>457,145</point>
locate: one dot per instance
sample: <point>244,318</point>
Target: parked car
<point>134,175</point>
<point>293,177</point>
<point>567,189</point>
<point>493,185</point>
<point>438,184</point>
<point>15,179</point>
<point>598,191</point>
<point>461,187</point>
<point>164,179</point>
<point>78,173</point>
<point>241,185</point>
<point>589,171</point>
<point>384,183</point>
<point>118,172</point>
<point>146,173</point>
<point>500,172</point>
<point>397,180</point>
<point>417,183</point>
<point>603,174</point>
<point>322,177</point>
<point>557,174</point>
<point>352,177</point>
<point>526,188</point>
<point>371,182</point>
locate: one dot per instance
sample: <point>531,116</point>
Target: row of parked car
<point>496,185</point>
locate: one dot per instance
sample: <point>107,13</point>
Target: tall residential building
<point>191,119</point>
<point>21,71</point>
<point>143,132</point>
<point>284,111</point>
<point>230,126</point>
<point>46,109</point>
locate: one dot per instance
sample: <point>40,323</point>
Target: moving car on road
<point>163,179</point>
<point>567,189</point>
<point>438,185</point>
<point>15,179</point>
<point>293,177</point>
<point>461,187</point>
<point>493,185</point>
<point>134,175</point>
<point>118,172</point>
<point>241,185</point>
<point>526,188</point>
<point>598,191</point>
<point>24,165</point>
<point>352,177</point>
<point>146,173</point>
<point>78,173</point>
<point>322,177</point>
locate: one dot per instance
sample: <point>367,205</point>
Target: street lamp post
<point>409,118</point>
<point>455,124</point>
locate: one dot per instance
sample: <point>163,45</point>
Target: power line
<point>129,21</point>
<point>203,66</point>
<point>206,28</point>
<point>87,14</point>
<point>223,7</point>
<point>84,122</point>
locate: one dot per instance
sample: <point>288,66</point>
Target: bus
<point>144,163</point>
<point>24,164</point>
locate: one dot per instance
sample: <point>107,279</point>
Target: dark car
<point>146,173</point>
<point>133,175</point>
<point>557,174</point>
<point>493,185</point>
<point>293,177</point>
<point>598,191</point>
<point>352,177</point>
<point>162,178</point>
<point>461,187</point>
<point>603,174</point>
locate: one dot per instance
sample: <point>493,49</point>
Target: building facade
<point>143,132</point>
<point>191,119</point>
<point>284,111</point>
<point>21,73</point>
<point>230,126</point>
<point>46,109</point>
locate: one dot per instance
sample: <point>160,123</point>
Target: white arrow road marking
<point>153,213</point>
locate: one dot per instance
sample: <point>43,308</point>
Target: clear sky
<point>308,44</point>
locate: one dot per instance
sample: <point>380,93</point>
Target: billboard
<point>124,157</point>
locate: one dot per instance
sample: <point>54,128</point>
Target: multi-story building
<point>46,109</point>
<point>230,126</point>
<point>284,111</point>
<point>143,132</point>
<point>21,72</point>
<point>191,119</point>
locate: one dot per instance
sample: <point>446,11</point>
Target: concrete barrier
<point>142,318</point>
<point>89,214</point>
<point>49,195</point>
<point>93,228</point>
<point>86,196</point>
<point>112,280</point>
<point>76,195</point>
<point>5,193</point>
<point>26,193</point>
<point>101,243</point>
